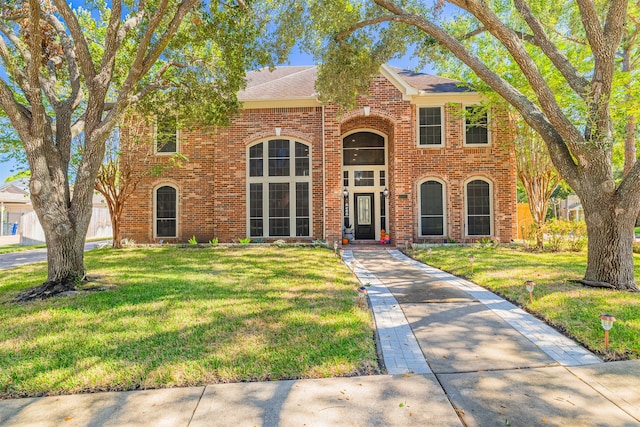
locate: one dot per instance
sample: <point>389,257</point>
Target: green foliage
<point>193,240</point>
<point>559,234</point>
<point>213,241</point>
<point>244,240</point>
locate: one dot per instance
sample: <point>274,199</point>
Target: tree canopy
<point>75,70</point>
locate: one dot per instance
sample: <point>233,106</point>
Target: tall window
<point>430,126</point>
<point>476,126</point>
<point>431,208</point>
<point>279,189</point>
<point>166,134</point>
<point>166,212</point>
<point>478,208</point>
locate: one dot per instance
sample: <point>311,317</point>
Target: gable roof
<point>298,83</point>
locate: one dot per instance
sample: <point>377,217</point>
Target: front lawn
<point>185,316</point>
<point>570,307</point>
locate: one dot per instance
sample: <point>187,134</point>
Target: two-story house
<point>408,160</point>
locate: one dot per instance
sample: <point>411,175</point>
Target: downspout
<point>324,183</point>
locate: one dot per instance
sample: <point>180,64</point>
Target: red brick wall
<point>212,185</point>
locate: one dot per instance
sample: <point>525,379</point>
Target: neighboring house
<point>14,203</point>
<point>406,161</point>
<point>571,208</point>
<point>20,221</point>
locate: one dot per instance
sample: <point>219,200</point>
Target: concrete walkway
<point>456,355</point>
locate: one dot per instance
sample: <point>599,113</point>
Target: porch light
<point>530,284</point>
<point>607,323</point>
<point>345,193</point>
<point>471,261</point>
<point>367,110</point>
<point>385,193</point>
<point>278,131</point>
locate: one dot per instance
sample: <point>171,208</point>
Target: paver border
<point>562,349</point>
<point>400,350</point>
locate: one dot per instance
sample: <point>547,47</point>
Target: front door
<point>364,221</point>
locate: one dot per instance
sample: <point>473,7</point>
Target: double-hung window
<point>279,186</point>
<point>476,126</point>
<point>166,135</point>
<point>430,126</point>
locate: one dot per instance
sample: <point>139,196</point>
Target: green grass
<point>185,316</point>
<point>5,249</point>
<point>570,307</point>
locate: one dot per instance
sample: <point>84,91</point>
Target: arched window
<point>166,212</point>
<point>479,208</point>
<point>279,190</point>
<point>432,208</point>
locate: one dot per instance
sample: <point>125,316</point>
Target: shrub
<point>245,241</point>
<point>213,241</point>
<point>577,238</point>
<point>193,240</point>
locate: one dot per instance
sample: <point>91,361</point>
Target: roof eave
<point>405,88</point>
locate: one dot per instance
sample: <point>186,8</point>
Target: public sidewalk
<point>456,355</point>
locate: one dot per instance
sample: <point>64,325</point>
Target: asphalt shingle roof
<point>289,82</point>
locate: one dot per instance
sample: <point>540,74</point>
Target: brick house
<point>407,160</point>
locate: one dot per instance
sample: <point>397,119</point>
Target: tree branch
<point>514,45</point>
<point>10,65</point>
<point>530,112</point>
<point>578,83</point>
<point>144,61</point>
<point>33,71</point>
<point>72,64</point>
<point>363,24</point>
<point>86,63</point>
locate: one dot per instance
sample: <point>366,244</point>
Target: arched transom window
<point>279,181</point>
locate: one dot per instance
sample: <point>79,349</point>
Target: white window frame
<point>466,208</point>
<point>464,126</point>
<point>442,127</point>
<point>155,140</point>
<point>265,180</point>
<point>376,189</point>
<point>444,207</point>
<point>155,210</point>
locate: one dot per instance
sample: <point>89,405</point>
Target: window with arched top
<point>279,188</point>
<point>432,208</point>
<point>166,212</point>
<point>479,208</point>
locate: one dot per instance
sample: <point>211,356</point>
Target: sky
<point>296,58</point>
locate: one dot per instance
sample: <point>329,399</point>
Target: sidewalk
<point>456,355</point>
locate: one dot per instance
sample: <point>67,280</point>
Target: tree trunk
<point>115,228</point>
<point>610,245</point>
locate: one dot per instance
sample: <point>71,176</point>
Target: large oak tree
<point>568,98</point>
<point>75,71</point>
